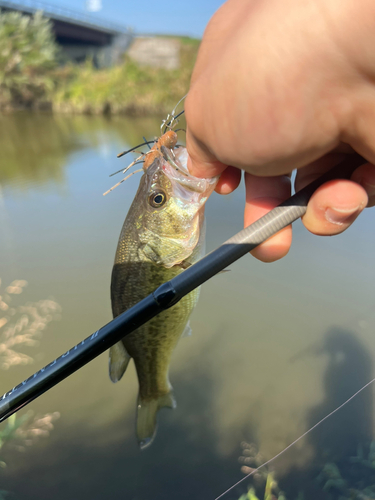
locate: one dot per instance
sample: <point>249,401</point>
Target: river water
<point>274,347</point>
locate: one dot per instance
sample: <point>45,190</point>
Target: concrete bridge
<point>79,35</point>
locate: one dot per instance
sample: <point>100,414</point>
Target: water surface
<point>274,347</point>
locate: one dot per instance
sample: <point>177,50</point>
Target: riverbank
<point>130,88</point>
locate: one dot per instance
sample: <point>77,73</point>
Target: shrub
<point>27,54</point>
<point>127,88</point>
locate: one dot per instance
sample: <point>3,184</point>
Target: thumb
<point>201,162</point>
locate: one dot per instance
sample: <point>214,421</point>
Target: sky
<point>152,16</point>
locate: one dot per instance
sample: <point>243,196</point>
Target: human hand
<point>285,85</point>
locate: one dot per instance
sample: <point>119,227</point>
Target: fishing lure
<point>166,142</point>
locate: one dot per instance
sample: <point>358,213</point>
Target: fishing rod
<point>169,293</point>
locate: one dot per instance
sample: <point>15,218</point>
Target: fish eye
<point>157,199</point>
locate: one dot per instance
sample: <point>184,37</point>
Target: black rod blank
<point>168,293</point>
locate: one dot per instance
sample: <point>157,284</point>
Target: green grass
<point>30,76</point>
<point>127,88</point>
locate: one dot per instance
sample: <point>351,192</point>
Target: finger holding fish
<point>331,209</point>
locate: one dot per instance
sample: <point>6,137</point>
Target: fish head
<point>171,210</point>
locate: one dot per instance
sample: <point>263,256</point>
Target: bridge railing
<point>63,13</point>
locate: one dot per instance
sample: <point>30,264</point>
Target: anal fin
<point>118,361</point>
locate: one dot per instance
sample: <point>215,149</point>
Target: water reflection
<point>35,147</point>
<point>349,368</point>
<point>234,379</point>
<point>329,472</point>
<point>106,461</point>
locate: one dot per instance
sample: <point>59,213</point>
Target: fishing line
<point>171,117</point>
<point>170,292</point>
<point>298,439</point>
<point>168,125</point>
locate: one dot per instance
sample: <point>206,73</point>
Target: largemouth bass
<point>163,233</point>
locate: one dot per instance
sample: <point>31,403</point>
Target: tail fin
<point>146,417</point>
<point>118,361</point>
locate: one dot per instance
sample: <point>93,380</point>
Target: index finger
<point>201,162</point>
<point>262,195</point>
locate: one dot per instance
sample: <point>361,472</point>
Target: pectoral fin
<point>187,331</point>
<point>118,361</point>
<point>146,417</point>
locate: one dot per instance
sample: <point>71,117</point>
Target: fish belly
<point>151,346</point>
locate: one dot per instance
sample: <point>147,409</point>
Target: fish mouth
<point>181,156</point>
<point>175,167</point>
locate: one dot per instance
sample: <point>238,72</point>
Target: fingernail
<point>340,215</point>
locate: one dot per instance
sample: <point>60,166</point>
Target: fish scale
<point>156,244</point>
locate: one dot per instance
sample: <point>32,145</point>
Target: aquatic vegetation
<point>22,325</point>
<point>264,480</point>
<point>271,491</point>
<point>361,458</point>
<point>331,479</point>
<point>352,478</point>
<point>24,431</point>
<point>19,433</point>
